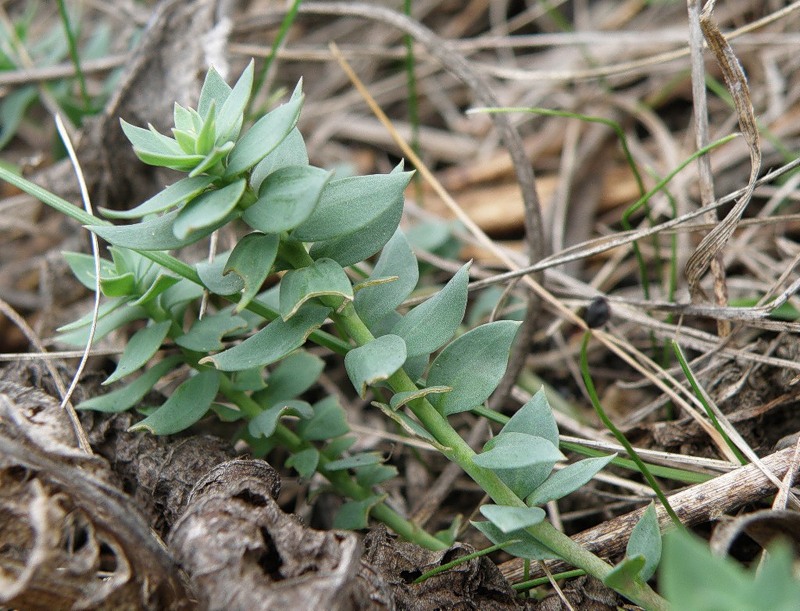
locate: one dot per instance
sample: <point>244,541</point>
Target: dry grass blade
<point>736,82</point>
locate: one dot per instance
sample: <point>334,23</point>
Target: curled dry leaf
<point>736,82</point>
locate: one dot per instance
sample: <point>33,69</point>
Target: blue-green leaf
<point>190,401</point>
<point>213,93</point>
<point>516,450</point>
<point>174,195</point>
<point>140,349</point>
<point>645,542</point>
<point>508,519</point>
<point>286,198</point>
<point>290,152</point>
<point>150,142</point>
<point>133,392</point>
<point>82,266</point>
<point>372,475</point>
<point>328,422</point>
<point>267,133</point>
<point>211,275</point>
<point>355,247</point>
<point>432,323</point>
<point>304,462</point>
<point>230,114</point>
<point>118,316</point>
<point>397,259</point>
<point>535,418</point>
<point>252,260</point>
<point>354,515</point>
<point>293,376</point>
<point>355,461</point>
<point>626,573</point>
<point>153,234</point>
<point>265,423</point>
<point>208,209</point>
<point>322,278</point>
<point>524,547</point>
<point>472,365</point>
<point>348,205</point>
<point>275,341</point>
<point>206,333</point>
<point>567,480</point>
<point>374,362</point>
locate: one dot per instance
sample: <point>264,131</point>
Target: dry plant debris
<point>629,63</point>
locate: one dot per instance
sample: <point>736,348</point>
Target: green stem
<point>457,450</point>
<point>73,53</point>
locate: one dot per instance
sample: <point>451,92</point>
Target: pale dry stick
<point>87,205</point>
<point>745,448</point>
<point>14,317</point>
<point>543,566</point>
<point>782,498</point>
<point>695,505</point>
<point>714,241</point>
<point>53,355</point>
<point>42,74</point>
<point>485,241</point>
<point>624,67</point>
<point>706,177</point>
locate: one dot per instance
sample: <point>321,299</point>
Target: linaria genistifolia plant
<point>247,359</point>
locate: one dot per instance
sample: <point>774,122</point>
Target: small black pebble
<point>597,313</point>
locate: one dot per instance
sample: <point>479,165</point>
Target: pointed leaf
<point>251,260</point>
<point>82,266</point>
<point>567,480</point>
<point>211,274</point>
<point>265,423</point>
<point>535,418</point>
<point>150,142</point>
<point>397,259</point>
<point>172,196</point>
<point>626,573</point>
<point>508,519</point>
<point>153,234</point>
<point>472,365</point>
<point>275,341</point>
<point>208,209</point>
<point>432,323</point>
<point>328,422</point>
<point>206,333</point>
<point>231,112</point>
<point>182,118</point>
<point>515,450</point>
<point>354,515</point>
<point>645,542</point>
<point>140,349</point>
<point>190,401</point>
<point>524,547</point>
<point>293,376</point>
<point>352,462</point>
<point>304,462</point>
<point>213,93</point>
<point>350,204</point>
<point>374,362</point>
<point>287,197</point>
<point>114,319</point>
<point>372,475</point>
<point>261,139</point>
<point>322,278</point>
<point>214,155</point>
<point>133,392</point>
<point>290,152</point>
<point>355,247</point>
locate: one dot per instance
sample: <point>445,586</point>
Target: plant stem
<point>459,451</point>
